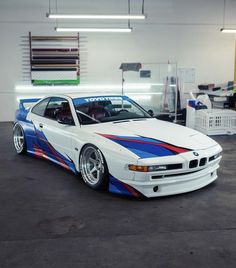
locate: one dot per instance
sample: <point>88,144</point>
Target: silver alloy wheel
<point>92,165</point>
<point>18,138</point>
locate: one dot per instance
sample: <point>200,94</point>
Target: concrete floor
<point>49,218</point>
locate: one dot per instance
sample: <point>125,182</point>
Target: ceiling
<point>183,12</point>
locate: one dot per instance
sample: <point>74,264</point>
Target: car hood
<point>155,129</point>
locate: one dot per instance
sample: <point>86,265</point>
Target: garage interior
<point>48,216</point>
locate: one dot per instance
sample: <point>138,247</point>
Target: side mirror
<point>151,113</point>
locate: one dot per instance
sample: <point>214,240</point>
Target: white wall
<point>202,47</point>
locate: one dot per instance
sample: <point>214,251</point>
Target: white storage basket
<point>216,121</point>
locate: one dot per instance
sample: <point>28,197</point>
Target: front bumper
<point>176,184</point>
<point>172,181</point>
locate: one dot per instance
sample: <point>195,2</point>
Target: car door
<point>35,144</point>
<point>55,138</point>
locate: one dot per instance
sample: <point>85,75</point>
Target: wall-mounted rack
<point>54,60</point>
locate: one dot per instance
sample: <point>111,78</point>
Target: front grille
<point>193,163</point>
<point>203,162</point>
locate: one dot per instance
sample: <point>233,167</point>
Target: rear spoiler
<point>22,112</point>
<point>24,101</point>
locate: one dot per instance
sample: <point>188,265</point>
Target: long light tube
<point>228,30</point>
<point>223,29</point>
<point>98,30</point>
<point>98,16</point>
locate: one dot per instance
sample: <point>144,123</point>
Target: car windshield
<point>94,110</point>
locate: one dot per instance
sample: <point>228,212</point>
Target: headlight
<point>157,168</point>
<point>216,155</point>
<point>147,168</point>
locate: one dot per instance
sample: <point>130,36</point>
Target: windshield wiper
<point>95,120</point>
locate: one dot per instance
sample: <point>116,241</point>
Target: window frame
<point>49,99</point>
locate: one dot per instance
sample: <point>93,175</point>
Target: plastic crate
<point>216,121</point>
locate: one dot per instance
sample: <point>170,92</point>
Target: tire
<point>93,167</point>
<point>19,139</point>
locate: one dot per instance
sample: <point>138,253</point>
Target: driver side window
<point>58,108</point>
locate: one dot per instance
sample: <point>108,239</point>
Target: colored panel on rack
<point>54,75</point>
<point>57,38</point>
<point>56,82</point>
<point>55,49</point>
<point>54,69</point>
<point>55,57</point>
<point>54,61</point>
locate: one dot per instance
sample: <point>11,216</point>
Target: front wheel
<point>19,139</point>
<point>93,167</point>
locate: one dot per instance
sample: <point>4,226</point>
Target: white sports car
<point>116,145</point>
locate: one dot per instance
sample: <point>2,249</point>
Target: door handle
<point>41,125</point>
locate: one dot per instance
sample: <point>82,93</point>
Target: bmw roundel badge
<point>195,153</point>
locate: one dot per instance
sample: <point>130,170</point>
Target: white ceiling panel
<point>158,11</point>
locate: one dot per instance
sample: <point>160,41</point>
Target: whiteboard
<point>186,75</point>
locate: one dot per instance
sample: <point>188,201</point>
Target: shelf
<point>54,60</point>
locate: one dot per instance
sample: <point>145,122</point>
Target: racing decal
<point>79,101</point>
<point>46,150</point>
<point>38,145</point>
<point>102,99</point>
<point>119,187</point>
<point>36,141</point>
<point>146,147</point>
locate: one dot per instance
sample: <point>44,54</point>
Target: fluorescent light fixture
<point>84,87</point>
<point>156,84</point>
<point>227,30</point>
<point>98,16</point>
<point>95,30</point>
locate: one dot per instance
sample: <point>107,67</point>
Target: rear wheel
<point>93,167</point>
<point>19,139</point>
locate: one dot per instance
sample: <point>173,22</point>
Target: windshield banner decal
<point>80,101</point>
